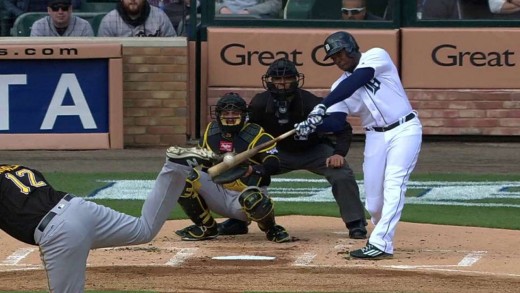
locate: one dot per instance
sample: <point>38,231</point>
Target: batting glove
<point>315,117</point>
<point>319,110</point>
<point>303,129</point>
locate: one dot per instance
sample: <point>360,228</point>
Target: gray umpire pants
<point>344,187</point>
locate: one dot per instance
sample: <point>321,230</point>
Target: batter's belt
<point>393,125</point>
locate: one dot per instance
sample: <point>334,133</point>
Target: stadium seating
<point>298,9</point>
<point>4,20</point>
<point>96,6</point>
<point>96,21</point>
<point>22,25</point>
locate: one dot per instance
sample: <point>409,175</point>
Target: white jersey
<point>391,149</point>
<point>380,102</point>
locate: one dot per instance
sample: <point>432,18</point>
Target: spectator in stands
<point>61,22</point>
<point>262,8</point>
<point>136,18</point>
<point>505,8</point>
<point>356,10</point>
<point>439,9</point>
<point>16,8</point>
<point>475,9</point>
<point>177,10</point>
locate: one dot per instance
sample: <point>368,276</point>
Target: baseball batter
<point>371,89</point>
<point>66,227</point>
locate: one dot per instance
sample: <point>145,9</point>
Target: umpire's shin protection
<point>258,207</point>
<point>193,205</point>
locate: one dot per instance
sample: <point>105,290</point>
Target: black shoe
<point>370,252</point>
<point>357,230</point>
<point>277,234</point>
<point>197,233</point>
<point>233,227</point>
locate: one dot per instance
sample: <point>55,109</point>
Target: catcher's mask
<point>282,79</point>
<point>340,41</point>
<point>230,113</point>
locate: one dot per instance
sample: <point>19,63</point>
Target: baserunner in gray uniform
<point>67,227</point>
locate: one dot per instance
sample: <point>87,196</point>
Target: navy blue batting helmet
<point>340,41</point>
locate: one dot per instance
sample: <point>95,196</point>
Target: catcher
<point>240,193</point>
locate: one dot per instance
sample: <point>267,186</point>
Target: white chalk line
<point>304,259</point>
<point>17,256</point>
<point>182,255</point>
<point>441,268</point>
<point>471,258</point>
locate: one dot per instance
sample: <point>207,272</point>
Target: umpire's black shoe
<point>357,229</point>
<point>233,227</point>
<point>370,252</point>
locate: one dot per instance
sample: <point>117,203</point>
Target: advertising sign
<point>483,58</point>
<point>54,96</point>
<point>238,57</point>
<point>61,96</point>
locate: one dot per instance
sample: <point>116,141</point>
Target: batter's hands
<point>315,118</point>
<point>335,161</point>
<point>303,130</point>
<point>319,110</point>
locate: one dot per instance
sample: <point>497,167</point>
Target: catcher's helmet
<point>340,41</point>
<point>230,124</point>
<point>282,68</point>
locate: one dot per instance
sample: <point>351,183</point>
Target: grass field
<point>495,196</point>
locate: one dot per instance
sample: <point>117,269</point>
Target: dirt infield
<point>428,258</point>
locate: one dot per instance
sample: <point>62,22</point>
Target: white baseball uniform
<point>392,145</point>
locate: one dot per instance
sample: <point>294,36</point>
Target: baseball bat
<point>243,156</point>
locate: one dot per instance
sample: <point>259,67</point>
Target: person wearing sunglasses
<point>356,10</point>
<point>61,23</point>
<point>16,8</point>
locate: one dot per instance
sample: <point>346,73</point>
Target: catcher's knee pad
<point>256,205</point>
<point>192,203</point>
<point>192,184</point>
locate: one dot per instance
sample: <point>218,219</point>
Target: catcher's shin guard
<point>259,208</point>
<point>193,205</point>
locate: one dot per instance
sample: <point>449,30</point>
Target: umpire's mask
<point>282,79</point>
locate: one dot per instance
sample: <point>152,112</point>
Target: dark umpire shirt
<point>262,111</point>
<point>25,197</point>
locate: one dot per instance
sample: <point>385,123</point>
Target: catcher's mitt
<point>231,174</point>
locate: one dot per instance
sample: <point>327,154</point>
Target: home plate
<point>243,257</point>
